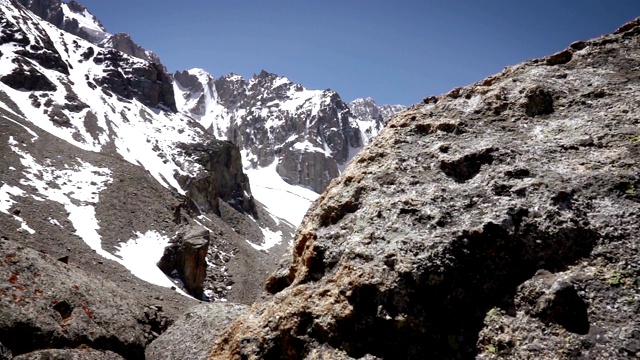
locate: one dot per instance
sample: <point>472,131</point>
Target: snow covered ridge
<point>308,135</point>
<point>76,19</point>
<point>75,103</point>
<point>74,11</point>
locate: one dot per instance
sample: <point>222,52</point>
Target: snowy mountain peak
<point>372,117</point>
<point>76,19</point>
<point>75,11</point>
<point>308,134</point>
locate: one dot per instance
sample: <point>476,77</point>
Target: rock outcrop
<point>191,335</point>
<point>499,220</point>
<point>222,177</point>
<point>147,82</point>
<point>124,43</point>
<point>187,256</point>
<point>47,304</point>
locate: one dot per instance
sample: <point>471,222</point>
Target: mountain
<point>499,220</point>
<point>292,141</point>
<point>100,170</point>
<point>125,187</point>
<point>76,19</point>
<point>307,135</point>
<point>372,117</point>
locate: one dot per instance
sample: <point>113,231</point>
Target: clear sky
<point>394,51</point>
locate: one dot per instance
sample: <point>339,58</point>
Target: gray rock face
<point>48,304</point>
<point>187,255</point>
<point>222,177</point>
<point>497,221</point>
<point>146,82</point>
<point>70,354</point>
<point>191,335</point>
<point>303,167</point>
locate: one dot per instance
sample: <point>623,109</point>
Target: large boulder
<point>69,354</point>
<point>47,304</point>
<point>498,220</point>
<point>187,256</point>
<point>191,335</point>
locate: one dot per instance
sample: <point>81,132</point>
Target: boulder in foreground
<point>498,220</point>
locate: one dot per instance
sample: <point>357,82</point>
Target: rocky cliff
<point>76,19</point>
<point>499,220</point>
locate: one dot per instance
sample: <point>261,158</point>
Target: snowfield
<point>284,201</point>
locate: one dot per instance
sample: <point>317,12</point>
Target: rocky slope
<point>309,134</point>
<point>99,172</point>
<point>497,221</point>
<point>76,19</point>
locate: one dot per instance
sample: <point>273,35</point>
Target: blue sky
<point>394,51</point>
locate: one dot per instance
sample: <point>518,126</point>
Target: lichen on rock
<point>498,220</point>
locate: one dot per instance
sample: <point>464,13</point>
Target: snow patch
<point>283,200</point>
<point>271,239</point>
<point>141,254</point>
<point>6,203</point>
<point>77,188</point>
<point>307,146</point>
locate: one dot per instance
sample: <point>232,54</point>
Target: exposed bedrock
<point>498,220</point>
<point>222,177</point>
<point>187,256</point>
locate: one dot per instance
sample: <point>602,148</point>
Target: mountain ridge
<point>311,134</point>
